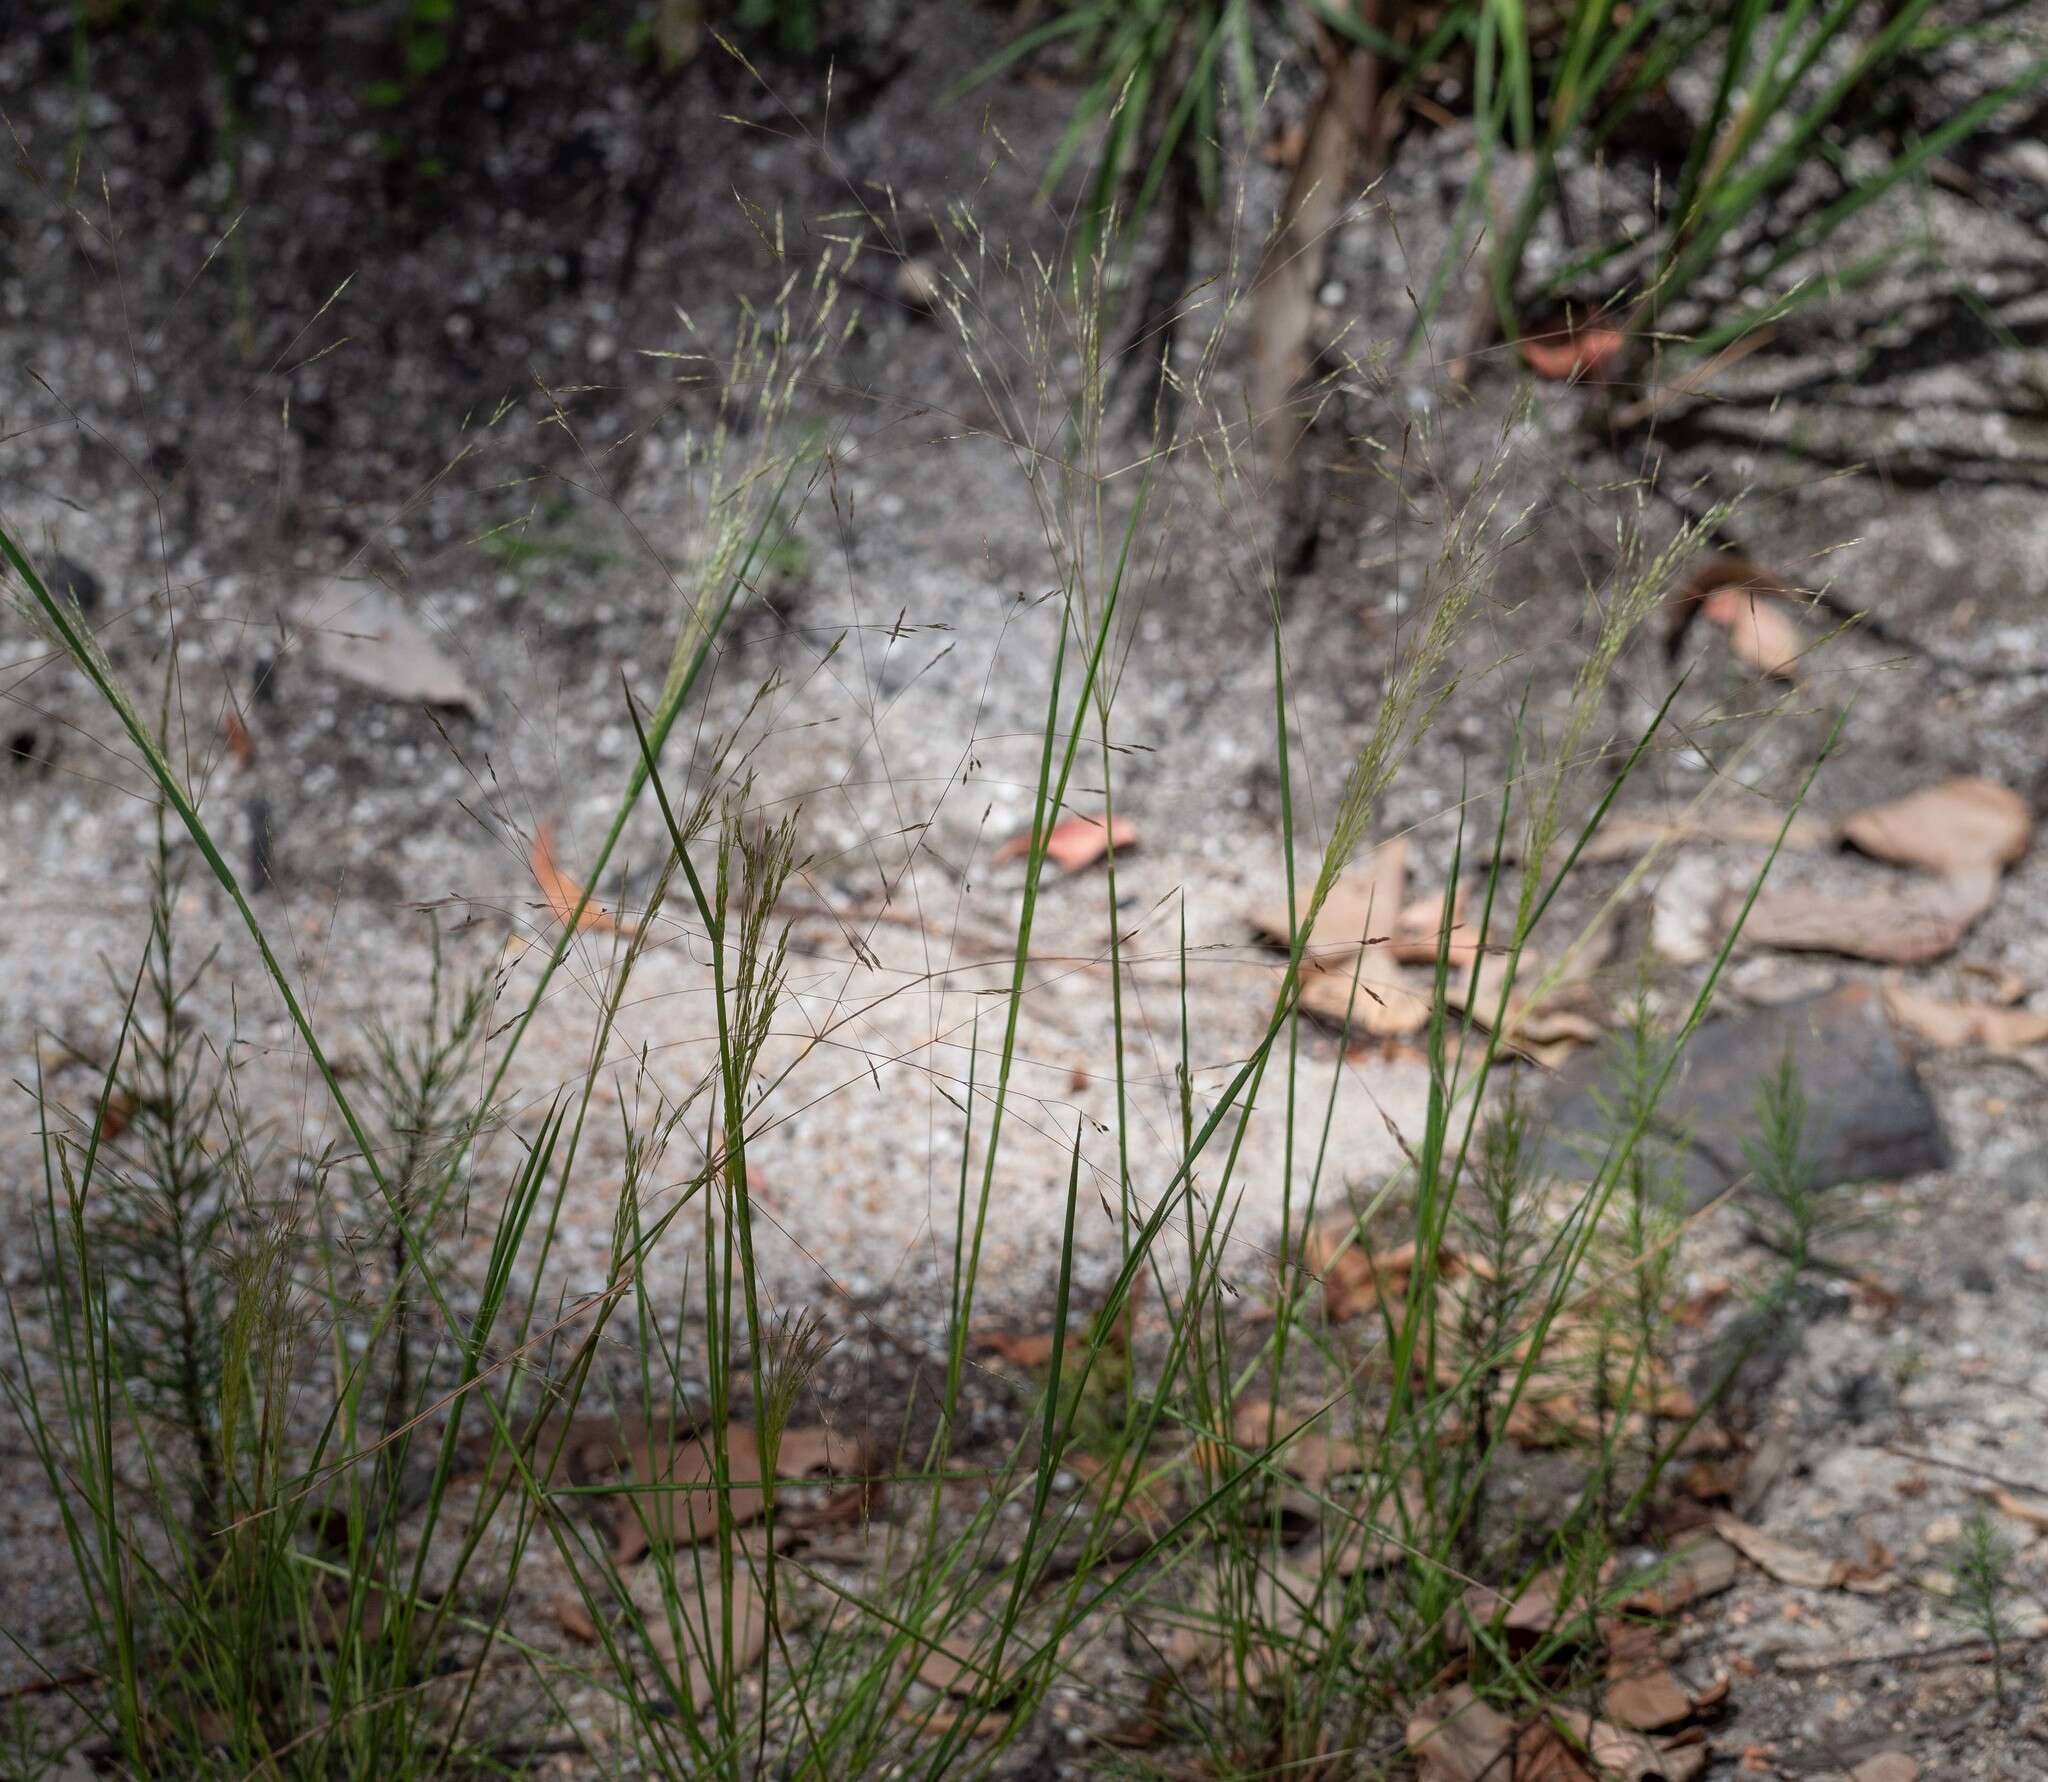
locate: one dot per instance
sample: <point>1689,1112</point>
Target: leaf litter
<point>1073,844</point>
<point>1964,822</point>
<point>562,892</point>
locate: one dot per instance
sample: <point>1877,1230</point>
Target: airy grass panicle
<point>305,1550</point>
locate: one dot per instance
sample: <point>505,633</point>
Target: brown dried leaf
<point>2033,1511</point>
<point>1570,352</point>
<point>1760,631</point>
<point>115,1114</point>
<point>1074,843</point>
<point>1628,1756</point>
<point>1800,1566</point>
<point>1524,1619</point>
<point>1981,1024</point>
<point>958,1663</point>
<point>1647,1700</point>
<point>1624,838</point>
<point>1419,928</point>
<point>1280,1603</point>
<point>1312,1455</point>
<point>1963,822</point>
<point>1544,1031</point>
<point>1886,1766</point>
<point>573,1618</point>
<point>1365,903</point>
<point>562,892</point>
<point>1456,1737</point>
<point>1727,570</point>
<point>1386,1005</point>
<point>1542,1756</point>
<point>331,1607</point>
<point>1700,1567</point>
<point>1904,924</point>
<point>690,1648</point>
<point>1354,1278</point>
<point>1021,1348</point>
<point>674,1494</point>
<point>1283,148</point>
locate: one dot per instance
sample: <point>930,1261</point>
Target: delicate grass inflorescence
<point>319,1421</point>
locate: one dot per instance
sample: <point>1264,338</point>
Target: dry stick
<point>1806,1664</point>
<point>2034,1489</point>
<point>1284,293</point>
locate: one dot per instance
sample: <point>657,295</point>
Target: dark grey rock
<point>64,575</point>
<point>1868,1116</point>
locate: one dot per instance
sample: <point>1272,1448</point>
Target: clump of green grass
<point>406,1430</point>
<point>1550,91</point>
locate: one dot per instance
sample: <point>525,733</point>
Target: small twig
<point>2033,1489</point>
<point>1795,1663</point>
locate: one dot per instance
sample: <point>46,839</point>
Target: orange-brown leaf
<point>1568,353</point>
<point>1760,631</point>
<point>1965,821</point>
<point>1979,1024</point>
<point>562,892</point>
<point>1073,844</point>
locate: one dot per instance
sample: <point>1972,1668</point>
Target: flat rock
<point>1868,1116</point>
<point>359,632</point>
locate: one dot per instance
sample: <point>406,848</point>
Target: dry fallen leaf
<point>1714,1694</point>
<point>1623,838</point>
<point>1570,352</point>
<point>115,1114</point>
<point>1354,1278</point>
<point>1456,1737</point>
<point>1644,1695</point>
<point>1904,924</point>
<point>1283,148</point>
<point>2033,1511</point>
<point>1545,1031</point>
<point>1364,906</point>
<point>1527,1617</point>
<point>958,1662</point>
<point>1800,1566</point>
<point>562,892</point>
<point>1886,1766</point>
<point>1382,1005</point>
<point>1628,1756</point>
<point>695,1636</point>
<point>1729,569</point>
<point>1074,843</point>
<point>1364,903</point>
<point>1541,1755</point>
<point>574,1619</point>
<point>673,1493</point>
<point>1311,1454</point>
<point>1279,1604</point>
<point>1702,1566</point>
<point>1760,631</point>
<point>1418,930</point>
<point>1020,1348</point>
<point>1981,1024</point>
<point>362,633</point>
<point>1963,822</point>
